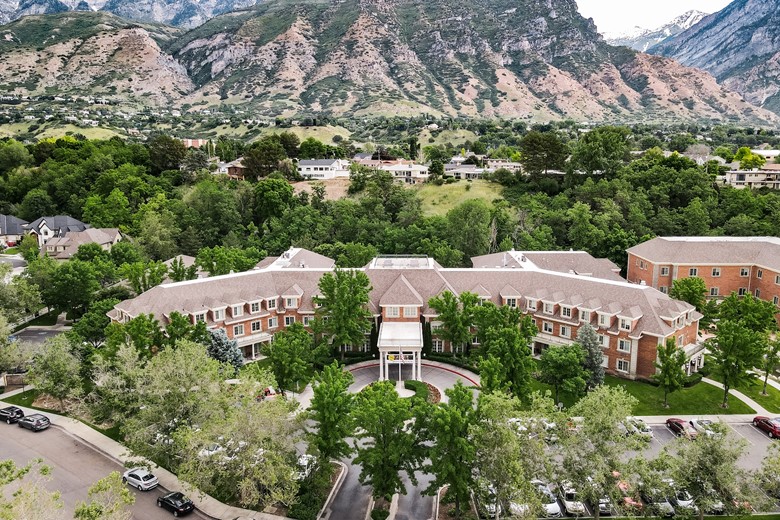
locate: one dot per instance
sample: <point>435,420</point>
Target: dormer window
<point>410,312</point>
<point>254,307</point>
<point>511,302</point>
<point>271,304</point>
<point>291,303</point>
<point>393,312</point>
<point>237,310</point>
<point>585,316</point>
<point>604,320</point>
<point>625,324</point>
<point>219,314</point>
<point>549,308</point>
<point>200,317</point>
<point>566,312</point>
<point>531,305</point>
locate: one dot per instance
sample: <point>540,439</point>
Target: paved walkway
<point>760,410</point>
<point>112,449</point>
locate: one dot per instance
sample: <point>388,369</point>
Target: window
<point>776,300</point>
<point>548,308</point>
<point>410,312</point>
<point>237,310</point>
<point>758,293</point>
<point>604,340</point>
<point>716,271</point>
<point>271,304</point>
<point>392,312</point>
<point>273,323</point>
<point>511,302</point>
<point>547,327</point>
<point>585,316</point>
<point>693,272</point>
<point>566,312</point>
<point>255,326</point>
<point>289,320</point>
<point>623,365</point>
<point>531,305</point>
<point>603,320</point>
<point>777,279</point>
<point>742,291</point>
<point>625,324</point>
<point>760,274</point>
<point>624,345</point>
<point>664,289</point>
<point>437,345</point>
<point>475,340</point>
<point>664,271</point>
<point>744,272</point>
<point>219,314</point>
<point>238,330</point>
<point>714,291</point>
<point>201,316</point>
<point>307,320</point>
<point>291,303</point>
<point>254,307</point>
<point>565,331</point>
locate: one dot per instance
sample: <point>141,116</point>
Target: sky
<point>617,16</point>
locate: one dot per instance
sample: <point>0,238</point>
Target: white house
<point>323,168</point>
<point>409,173</point>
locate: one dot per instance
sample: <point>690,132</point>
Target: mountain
<point>642,39</point>
<point>180,13</point>
<point>739,45</point>
<point>81,53</point>
<point>494,58</point>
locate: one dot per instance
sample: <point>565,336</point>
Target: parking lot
<point>757,442</point>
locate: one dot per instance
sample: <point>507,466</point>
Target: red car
<point>769,425</point>
<point>681,428</point>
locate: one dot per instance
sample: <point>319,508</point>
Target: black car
<point>177,503</point>
<point>11,414</point>
<point>35,422</point>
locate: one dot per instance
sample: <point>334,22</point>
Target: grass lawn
<point>27,398</point>
<point>44,320</point>
<point>438,200</point>
<point>11,251</point>
<point>700,399</point>
<point>771,401</point>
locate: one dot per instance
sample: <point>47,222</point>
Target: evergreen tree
<point>225,350</point>
<point>588,339</point>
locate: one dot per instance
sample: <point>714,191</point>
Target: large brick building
<point>560,290</point>
<point>726,264</point>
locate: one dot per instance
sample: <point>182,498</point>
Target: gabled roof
<point>763,251</point>
<point>508,291</point>
<point>10,225</point>
<point>60,223</point>
<point>401,293</point>
<point>479,290</point>
<point>293,291</point>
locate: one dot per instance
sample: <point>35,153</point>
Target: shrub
<point>420,389</point>
<point>379,514</point>
<point>693,379</point>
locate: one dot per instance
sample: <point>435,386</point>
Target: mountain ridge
<point>642,39</point>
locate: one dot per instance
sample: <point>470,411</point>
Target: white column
<point>400,364</point>
<point>414,366</point>
<point>419,366</point>
<point>381,366</point>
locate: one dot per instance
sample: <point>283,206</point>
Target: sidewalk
<point>760,410</point>
<point>113,450</point>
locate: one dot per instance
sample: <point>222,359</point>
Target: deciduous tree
<point>736,350</point>
<point>290,355</point>
<point>561,366</point>
<point>670,371</point>
<point>330,410</point>
<point>55,371</point>
<point>343,300</point>
<point>109,499</point>
<point>456,314</point>
<point>692,290</point>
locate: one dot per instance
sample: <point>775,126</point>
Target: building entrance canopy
<point>400,343</point>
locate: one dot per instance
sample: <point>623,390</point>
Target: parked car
<point>657,503</point>
<point>571,500</point>
<point>550,506</point>
<point>176,503</point>
<point>11,414</point>
<point>704,427</point>
<point>140,478</point>
<point>768,425</point>
<point>681,428</point>
<point>680,499</point>
<point>604,503</point>
<point>35,422</point>
<point>487,502</point>
<point>640,427</point>
<point>631,502</point>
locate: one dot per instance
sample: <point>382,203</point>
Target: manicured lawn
<point>700,399</point>
<point>438,200</point>
<point>44,320</point>
<point>771,401</point>
<point>11,251</point>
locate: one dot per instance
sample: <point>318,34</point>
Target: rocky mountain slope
<point>90,53</point>
<point>494,58</point>
<point>739,45</point>
<point>642,39</point>
<point>180,13</point>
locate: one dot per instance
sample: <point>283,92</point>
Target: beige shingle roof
<point>763,251</point>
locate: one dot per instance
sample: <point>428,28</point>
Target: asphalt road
<point>75,467</point>
<point>36,335</point>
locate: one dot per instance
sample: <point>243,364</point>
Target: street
<point>75,467</point>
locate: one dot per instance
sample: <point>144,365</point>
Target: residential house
<point>64,247</point>
<point>236,169</point>
<point>402,170</point>
<point>768,176</point>
<point>560,291</point>
<point>323,169</point>
<point>195,143</point>
<point>11,230</point>
<point>46,228</point>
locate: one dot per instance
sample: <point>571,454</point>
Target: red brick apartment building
<point>726,264</point>
<point>560,290</point>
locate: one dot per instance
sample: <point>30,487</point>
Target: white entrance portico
<point>400,343</point>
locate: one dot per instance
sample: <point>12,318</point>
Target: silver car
<point>140,478</point>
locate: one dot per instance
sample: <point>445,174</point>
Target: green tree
<point>55,371</point>
<point>670,371</point>
<point>113,211</point>
<point>263,158</point>
<point>330,410</point>
<point>456,314</point>
<point>384,446</point>
<point>221,260</point>
<point>468,227</point>
<point>143,332</point>
<point>36,203</point>
<point>142,276</point>
<point>18,297</point>
<point>74,286</point>
<point>561,366</point>
<point>751,312</point>
<point>452,453</point>
<point>109,499</point>
<point>343,300</point>
<point>24,494</point>
<point>736,350</point>
<point>492,375</point>
<point>225,350</point>
<point>290,355</point>
<point>91,327</point>
<point>28,248</point>
<point>273,196</point>
<point>604,149</point>
<point>311,148</point>
<point>12,155</point>
<point>588,339</point>
<point>542,151</point>
<point>692,290</point>
<point>115,380</point>
<point>180,327</point>
<point>771,361</point>
<point>165,153</point>
<point>752,161</point>
<point>157,234</point>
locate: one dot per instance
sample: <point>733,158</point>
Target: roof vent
<point>522,258</point>
<point>642,282</point>
<point>303,264</point>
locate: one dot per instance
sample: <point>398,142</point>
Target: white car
<point>639,427</point>
<point>550,505</point>
<point>140,478</point>
<point>210,450</point>
<point>704,427</point>
<point>571,501</point>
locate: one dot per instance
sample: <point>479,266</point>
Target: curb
<point>369,509</point>
<point>336,488</point>
<point>436,503</point>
